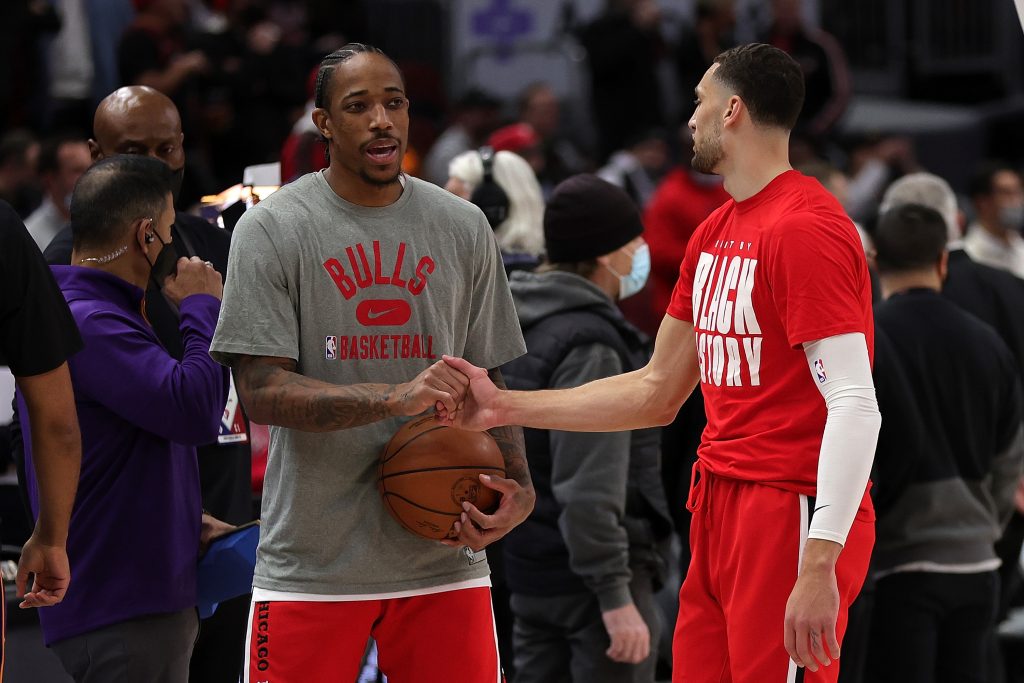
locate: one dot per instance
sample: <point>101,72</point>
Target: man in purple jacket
<point>133,544</point>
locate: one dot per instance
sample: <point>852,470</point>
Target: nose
<point>692,123</point>
<point>380,119</point>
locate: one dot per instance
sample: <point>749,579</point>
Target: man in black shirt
<point>993,296</point>
<point>37,335</point>
<point>141,120</point>
<point>943,497</point>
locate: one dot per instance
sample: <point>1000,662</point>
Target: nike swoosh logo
<point>373,315</point>
<point>822,507</point>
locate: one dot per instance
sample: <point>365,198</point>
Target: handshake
<point>461,394</point>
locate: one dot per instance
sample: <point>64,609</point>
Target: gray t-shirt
<point>358,294</point>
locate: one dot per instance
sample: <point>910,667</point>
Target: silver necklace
<point>117,253</point>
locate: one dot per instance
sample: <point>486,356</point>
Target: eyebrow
<point>360,93</point>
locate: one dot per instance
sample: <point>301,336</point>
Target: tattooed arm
<point>275,394</point>
<point>478,530</point>
<point>511,442</point>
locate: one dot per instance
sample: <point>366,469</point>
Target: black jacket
<point>600,507</point>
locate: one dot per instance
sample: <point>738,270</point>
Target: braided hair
<point>340,56</point>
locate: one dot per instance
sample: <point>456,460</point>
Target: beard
<point>707,153</point>
<point>380,182</point>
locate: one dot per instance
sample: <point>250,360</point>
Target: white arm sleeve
<point>842,373</point>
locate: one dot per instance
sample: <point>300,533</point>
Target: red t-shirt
<point>760,278</point>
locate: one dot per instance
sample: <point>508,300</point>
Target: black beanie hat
<point>588,217</point>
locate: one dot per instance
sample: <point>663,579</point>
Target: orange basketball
<point>428,469</point>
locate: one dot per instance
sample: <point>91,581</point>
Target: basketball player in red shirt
<point>772,314</point>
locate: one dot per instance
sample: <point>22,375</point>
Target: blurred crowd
<point>240,75</point>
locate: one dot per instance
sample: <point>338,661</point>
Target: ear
<point>943,265</point>
<point>322,119</point>
<point>734,107</point>
<point>94,150</point>
<point>144,234</point>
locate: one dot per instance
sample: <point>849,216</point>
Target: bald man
<point>141,120</point>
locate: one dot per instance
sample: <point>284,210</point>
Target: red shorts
<point>437,638</point>
<point>746,540</point>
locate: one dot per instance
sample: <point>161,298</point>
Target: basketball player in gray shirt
<point>344,290</point>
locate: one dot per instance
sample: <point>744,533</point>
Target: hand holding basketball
<point>478,530</point>
<point>440,386</point>
<point>477,411</point>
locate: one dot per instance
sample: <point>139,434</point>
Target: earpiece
<point>489,195</point>
<point>149,237</point>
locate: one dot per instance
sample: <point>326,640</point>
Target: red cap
<point>514,138</point>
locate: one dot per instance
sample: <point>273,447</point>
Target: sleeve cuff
<point>614,597</point>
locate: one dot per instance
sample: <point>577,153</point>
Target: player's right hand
<point>440,386</point>
<point>477,412</point>
<point>49,564</point>
<point>194,276</point>
<point>630,636</point>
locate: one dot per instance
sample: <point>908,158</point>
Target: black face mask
<point>178,179</point>
<point>166,263</point>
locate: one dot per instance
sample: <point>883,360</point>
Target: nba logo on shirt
<point>819,368</point>
<point>332,348</point>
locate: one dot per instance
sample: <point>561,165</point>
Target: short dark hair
<point>340,56</point>
<point>113,193</point>
<point>909,237</point>
<point>768,81</point>
<point>14,146</point>
<point>49,152</point>
<point>983,177</point>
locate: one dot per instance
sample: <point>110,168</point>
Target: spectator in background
<point>19,156</point>
<point>639,167</point>
<point>995,237</point>
<point>37,336</point>
<point>994,297</point>
<point>516,211</point>
<point>521,139</point>
<point>153,49</point>
<point>70,69</point>
<point>23,25</point>
<point>62,161</point>
<point>135,531</point>
<point>624,47</point>
<point>698,45</point>
<point>304,150</point>
<point>540,109</point>
<point>476,115</point>
<point>942,505</point>
<point>824,65</point>
<point>873,164</point>
<point>584,566</point>
<point>254,87</point>
<point>138,120</point>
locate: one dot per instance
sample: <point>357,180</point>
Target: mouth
<point>382,152</point>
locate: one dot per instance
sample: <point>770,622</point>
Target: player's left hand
<point>49,564</point>
<point>811,615</point>
<point>211,529</point>
<point>478,530</point>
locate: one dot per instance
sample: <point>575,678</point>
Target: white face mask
<point>635,280</point>
<point>1012,217</point>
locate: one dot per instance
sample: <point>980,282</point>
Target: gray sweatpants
<point>562,638</point>
<point>155,649</point>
